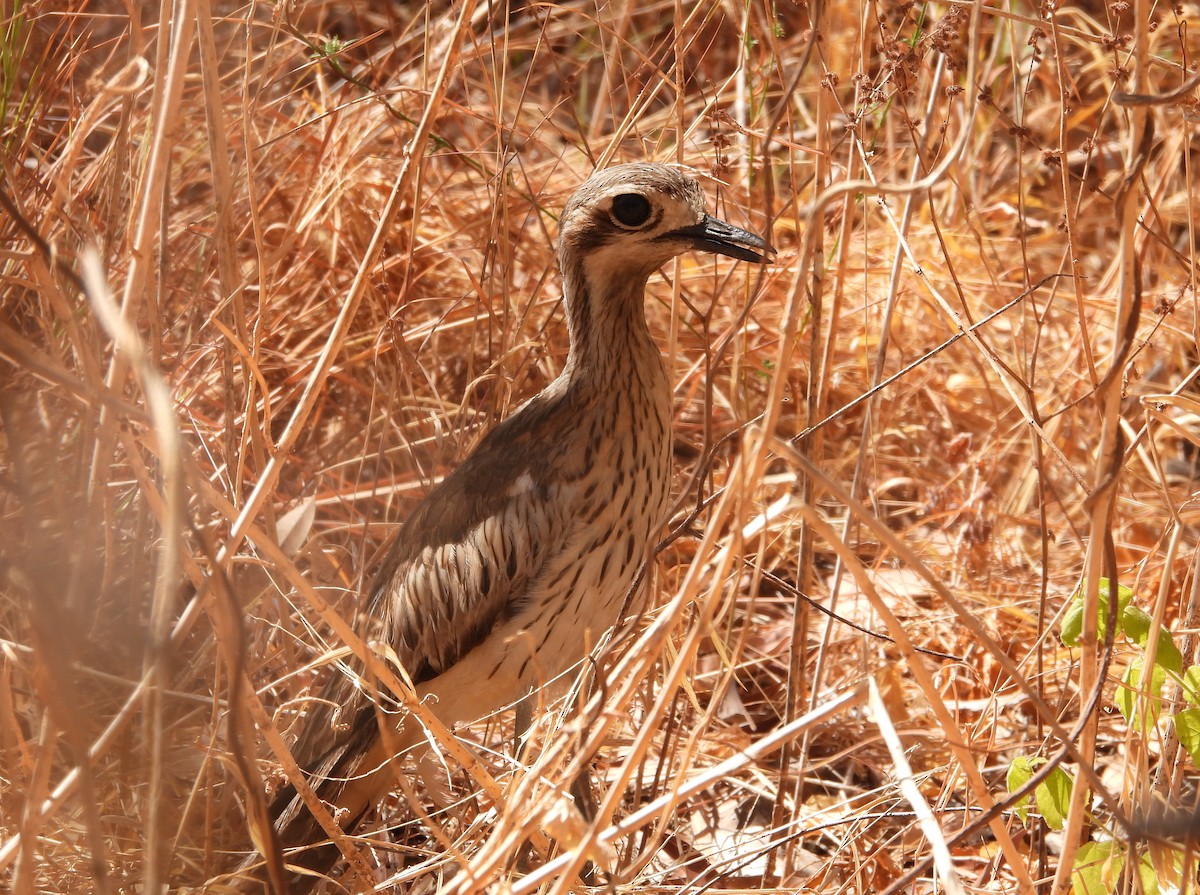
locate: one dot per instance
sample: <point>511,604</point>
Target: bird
<point>522,557</point>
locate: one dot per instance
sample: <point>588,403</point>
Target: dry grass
<point>337,260</point>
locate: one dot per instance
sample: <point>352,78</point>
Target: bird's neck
<point>606,318</point>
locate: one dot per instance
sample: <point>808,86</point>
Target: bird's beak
<point>714,235</point>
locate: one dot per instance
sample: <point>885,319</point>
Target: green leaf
<point>1054,797</point>
<point>1072,625</point>
<point>1187,728</point>
<point>1097,869</point>
<point>1163,871</point>
<point>1136,624</point>
<point>1191,684</point>
<point>1020,772</point>
<point>1124,594</point>
<point>1151,885</point>
<point>1130,699</point>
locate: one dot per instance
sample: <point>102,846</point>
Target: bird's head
<point>629,220</point>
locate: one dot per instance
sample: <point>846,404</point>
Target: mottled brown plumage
<point>522,557</point>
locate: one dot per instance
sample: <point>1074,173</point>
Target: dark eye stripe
<point>603,228</point>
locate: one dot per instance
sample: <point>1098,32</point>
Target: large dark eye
<point>630,210</point>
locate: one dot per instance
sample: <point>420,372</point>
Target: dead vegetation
<point>964,390</point>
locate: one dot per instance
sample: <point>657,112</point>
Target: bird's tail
<point>348,782</point>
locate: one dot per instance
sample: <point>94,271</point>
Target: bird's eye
<point>630,210</point>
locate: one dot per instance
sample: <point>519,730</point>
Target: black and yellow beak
<point>714,235</point>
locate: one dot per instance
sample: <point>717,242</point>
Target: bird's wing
<point>461,564</point>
